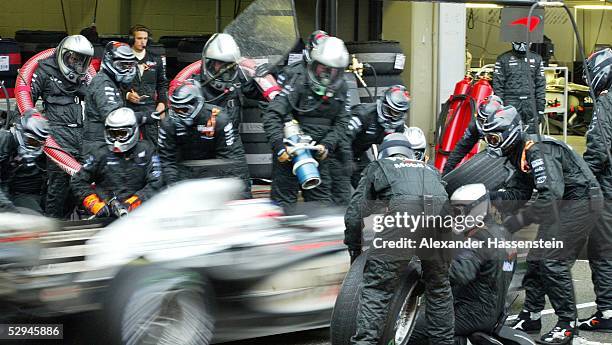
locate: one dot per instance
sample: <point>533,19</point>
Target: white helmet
<point>417,141</point>
<point>471,202</point>
<point>121,130</point>
<point>326,66</point>
<point>219,61</point>
<point>73,56</point>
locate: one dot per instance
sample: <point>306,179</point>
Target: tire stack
<point>10,62</point>
<point>257,149</point>
<point>171,44</point>
<point>386,57</point>
<point>32,42</point>
<point>189,50</point>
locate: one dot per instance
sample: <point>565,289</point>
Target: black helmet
<point>187,101</point>
<point>486,107</point>
<point>599,65</point>
<point>396,144</point>
<point>31,133</point>
<point>119,60</point>
<point>502,130</point>
<point>393,106</point>
<point>315,38</point>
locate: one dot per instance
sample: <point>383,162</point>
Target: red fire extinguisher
<point>456,115</point>
<point>447,131</point>
<point>480,90</point>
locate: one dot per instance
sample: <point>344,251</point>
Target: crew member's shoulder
<point>144,146</point>
<point>505,55</point>
<point>214,110</point>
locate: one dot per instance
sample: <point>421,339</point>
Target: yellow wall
<point>47,15</point>
<point>164,17</point>
<point>394,13</point>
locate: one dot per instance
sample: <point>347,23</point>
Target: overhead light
<point>472,5</point>
<point>593,7</point>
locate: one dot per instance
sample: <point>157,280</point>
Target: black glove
<point>514,223</point>
<point>119,209</point>
<point>264,69</point>
<point>354,254</point>
<point>104,212</point>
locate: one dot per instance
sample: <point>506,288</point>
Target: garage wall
<point>47,15</point>
<point>588,22</point>
<point>181,17</point>
<point>394,14</point>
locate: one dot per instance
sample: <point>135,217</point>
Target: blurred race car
<point>193,266</point>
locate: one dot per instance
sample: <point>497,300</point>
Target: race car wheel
<point>403,312</point>
<point>157,306</point>
<point>343,322</point>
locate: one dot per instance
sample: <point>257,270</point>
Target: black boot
<point>562,334</point>
<point>525,323</point>
<point>596,323</point>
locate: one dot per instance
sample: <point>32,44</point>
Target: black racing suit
<point>340,169</point>
<point>231,98</point>
<point>105,95</point>
<point>212,135</point>
<point>511,84</point>
<point>565,209</point>
<point>62,106</point>
<point>364,130</point>
<point>411,188</point>
<point>22,177</point>
<point>324,119</point>
<point>480,278</point>
<point>152,83</point>
<point>600,241</point>
<point>463,147</point>
<point>136,172</point>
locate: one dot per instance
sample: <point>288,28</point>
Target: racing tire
<point>378,85</point>
<point>259,159</point>
<point>251,127</point>
<point>382,55</point>
<point>344,316</point>
<point>482,168</point>
<point>169,306</point>
<point>403,309</point>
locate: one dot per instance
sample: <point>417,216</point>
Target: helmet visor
<point>392,114</point>
<point>124,66</point>
<point>225,71</point>
<point>326,75</point>
<point>77,62</point>
<point>493,139</point>
<point>32,142</point>
<point>183,110</point>
<point>119,134</point>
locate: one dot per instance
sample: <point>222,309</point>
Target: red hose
<point>184,74</point>
<point>23,96</point>
<point>267,84</point>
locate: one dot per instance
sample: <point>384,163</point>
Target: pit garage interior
<point>427,46</point>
